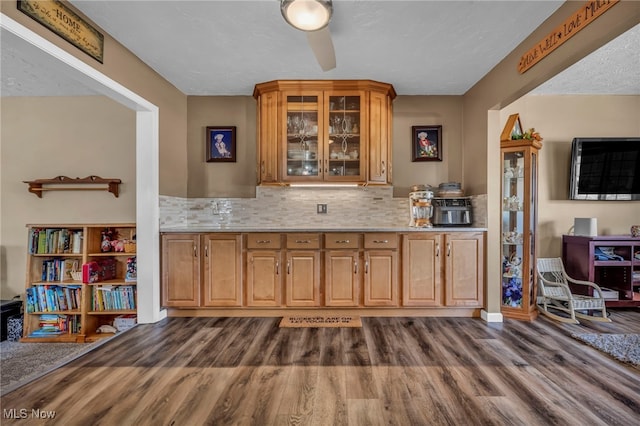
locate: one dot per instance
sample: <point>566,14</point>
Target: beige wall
<point>502,86</point>
<point>236,179</point>
<point>71,136</point>
<point>124,67</point>
<point>411,111</point>
<point>559,119</point>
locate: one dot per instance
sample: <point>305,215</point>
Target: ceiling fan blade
<point>322,46</point>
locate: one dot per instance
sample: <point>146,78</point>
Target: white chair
<point>555,295</point>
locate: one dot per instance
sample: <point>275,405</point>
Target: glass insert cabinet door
<point>344,148</point>
<point>304,152</point>
<point>519,219</point>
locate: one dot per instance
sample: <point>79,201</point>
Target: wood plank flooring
<point>392,371</point>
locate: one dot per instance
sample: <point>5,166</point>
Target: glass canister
<point>420,208</point>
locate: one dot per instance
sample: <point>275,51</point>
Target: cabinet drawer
<point>381,241</point>
<point>303,241</point>
<point>263,241</point>
<point>341,240</point>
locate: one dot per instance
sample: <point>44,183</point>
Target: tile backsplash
<point>296,207</point>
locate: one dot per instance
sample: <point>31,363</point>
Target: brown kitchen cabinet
<point>443,269</point>
<point>324,131</point>
<point>302,270</point>
<point>464,269</point>
<point>380,269</point>
<point>267,153</point>
<point>181,270</point>
<point>333,269</point>
<point>422,269</point>
<point>201,270</point>
<point>379,162</point>
<point>264,270</point>
<point>223,266</point>
<point>343,274</point>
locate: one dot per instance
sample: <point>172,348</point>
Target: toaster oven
<point>452,211</point>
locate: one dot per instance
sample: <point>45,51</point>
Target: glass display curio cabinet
<point>519,160</point>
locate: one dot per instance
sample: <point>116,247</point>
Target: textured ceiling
<point>226,47</point>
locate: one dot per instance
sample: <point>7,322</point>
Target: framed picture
<point>426,143</point>
<point>221,144</point>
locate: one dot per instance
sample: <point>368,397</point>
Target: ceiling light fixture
<point>307,15</point>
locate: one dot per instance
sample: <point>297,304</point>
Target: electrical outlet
<point>321,208</point>
<point>214,208</point>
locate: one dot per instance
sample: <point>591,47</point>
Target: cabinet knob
<point>263,241</point>
<point>206,251</point>
<point>288,267</point>
<point>342,241</point>
<point>303,241</point>
<point>380,241</point>
<point>277,267</point>
<point>448,249</point>
<point>437,249</point>
<point>195,251</point>
<point>366,267</point>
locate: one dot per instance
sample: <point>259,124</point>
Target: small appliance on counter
<point>452,211</point>
<point>420,208</point>
<point>449,190</point>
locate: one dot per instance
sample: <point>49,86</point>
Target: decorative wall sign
<point>426,143</point>
<point>221,144</point>
<point>583,17</point>
<point>64,22</point>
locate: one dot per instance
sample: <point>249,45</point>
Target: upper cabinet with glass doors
<point>324,131</point>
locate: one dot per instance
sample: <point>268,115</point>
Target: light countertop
<point>239,228</point>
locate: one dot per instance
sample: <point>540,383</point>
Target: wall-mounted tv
<point>605,169</point>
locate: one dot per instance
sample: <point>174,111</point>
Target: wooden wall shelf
<point>69,184</point>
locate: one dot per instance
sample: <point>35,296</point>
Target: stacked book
<point>56,324</point>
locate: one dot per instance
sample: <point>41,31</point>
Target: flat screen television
<point>605,169</point>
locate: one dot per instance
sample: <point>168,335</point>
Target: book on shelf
<point>59,269</point>
<point>55,241</point>
<point>113,298</point>
<point>51,298</point>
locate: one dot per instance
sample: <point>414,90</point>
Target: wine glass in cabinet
<point>303,132</point>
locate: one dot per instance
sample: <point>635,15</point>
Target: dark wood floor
<point>400,371</point>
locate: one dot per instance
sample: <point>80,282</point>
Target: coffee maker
<point>420,208</point>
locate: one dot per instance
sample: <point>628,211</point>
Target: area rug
<point>623,347</point>
<point>321,321</point>
<point>21,363</point>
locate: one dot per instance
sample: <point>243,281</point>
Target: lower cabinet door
<point>222,270</point>
<point>380,278</point>
<point>464,275</point>
<point>422,269</point>
<point>342,278</point>
<point>264,278</point>
<point>303,278</point>
<point>181,270</point>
